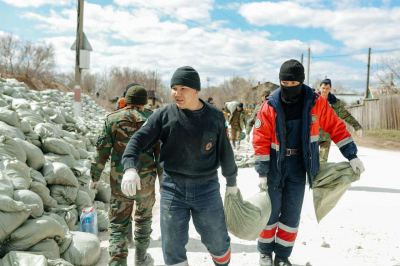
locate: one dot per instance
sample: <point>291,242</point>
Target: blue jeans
<point>202,201</point>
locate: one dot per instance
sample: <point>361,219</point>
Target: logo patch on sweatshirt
<point>208,146</point>
<point>258,123</point>
<point>314,118</point>
<point>145,123</point>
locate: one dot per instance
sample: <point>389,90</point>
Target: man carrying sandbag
<point>285,141</point>
<point>194,144</point>
<point>250,124</point>
<point>119,127</point>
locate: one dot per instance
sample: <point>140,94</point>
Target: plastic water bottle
<point>89,221</point>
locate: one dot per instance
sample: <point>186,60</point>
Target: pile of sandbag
<point>44,177</point>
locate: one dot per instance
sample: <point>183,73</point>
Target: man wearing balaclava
<point>285,141</point>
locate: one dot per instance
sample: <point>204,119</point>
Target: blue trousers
<point>202,201</point>
<point>287,200</point>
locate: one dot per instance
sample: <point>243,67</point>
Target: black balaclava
<point>291,70</point>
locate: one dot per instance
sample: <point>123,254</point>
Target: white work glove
<point>231,190</point>
<point>94,185</point>
<point>130,182</point>
<point>359,132</point>
<point>262,183</point>
<point>357,164</point>
<point>248,138</point>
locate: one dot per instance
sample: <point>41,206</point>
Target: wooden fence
<point>382,113</point>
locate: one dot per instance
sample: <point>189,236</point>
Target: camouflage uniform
<point>119,128</point>
<point>252,119</point>
<point>237,120</point>
<point>325,138</point>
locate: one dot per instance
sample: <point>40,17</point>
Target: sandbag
<point>74,152</point>
<point>47,248</point>
<point>64,245</point>
<point>102,220</point>
<point>38,177</point>
<point>103,192</point>
<point>247,219</point>
<point>231,106</point>
<point>32,232</point>
<point>64,195</point>
<point>84,249</point>
<point>29,197</point>
<point>25,126</point>
<point>65,159</point>
<point>6,186</point>
<point>19,174</point>
<point>59,174</point>
<point>3,103</point>
<point>9,221</point>
<point>20,103</point>
<point>57,146</point>
<point>18,258</point>
<point>68,213</point>
<point>44,193</point>
<point>99,205</point>
<point>72,141</point>
<point>48,111</point>
<point>34,155</point>
<point>45,130</point>
<point>59,262</point>
<point>83,154</point>
<point>10,117</point>
<point>82,201</point>
<point>67,134</point>
<point>34,120</point>
<point>7,130</point>
<point>90,192</point>
<point>32,136</point>
<point>58,119</point>
<point>9,147</point>
<point>329,185</point>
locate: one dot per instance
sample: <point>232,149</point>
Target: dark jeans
<point>202,201</point>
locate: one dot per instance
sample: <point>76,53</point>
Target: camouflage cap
<point>136,95</point>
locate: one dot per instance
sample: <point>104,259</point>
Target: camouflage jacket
<point>252,119</point>
<point>238,118</point>
<point>117,131</point>
<point>342,113</point>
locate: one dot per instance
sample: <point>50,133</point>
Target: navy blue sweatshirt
<point>194,144</point>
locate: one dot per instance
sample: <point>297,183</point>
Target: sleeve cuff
<point>351,157</point>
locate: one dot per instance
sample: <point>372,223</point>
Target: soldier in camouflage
<point>341,112</point>
<point>119,128</point>
<point>237,120</point>
<point>265,93</point>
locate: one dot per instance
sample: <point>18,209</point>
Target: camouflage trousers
<point>235,133</point>
<point>120,215</point>
<point>324,148</point>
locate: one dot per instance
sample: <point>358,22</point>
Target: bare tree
<point>388,72</point>
<point>9,48</point>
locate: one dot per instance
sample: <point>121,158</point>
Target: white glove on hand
<point>94,185</point>
<point>262,183</point>
<point>231,190</point>
<point>357,164</point>
<point>130,182</point>
<point>359,132</point>
<point>248,138</point>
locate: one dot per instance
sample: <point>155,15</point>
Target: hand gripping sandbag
<point>329,185</point>
<point>246,219</point>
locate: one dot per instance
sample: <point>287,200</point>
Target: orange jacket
<point>269,140</point>
<point>122,103</point>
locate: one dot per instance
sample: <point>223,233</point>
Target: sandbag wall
<point>45,156</point>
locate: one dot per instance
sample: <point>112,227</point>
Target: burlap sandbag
<point>7,130</point>
<point>25,126</point>
<point>68,213</point>
<point>64,245</point>
<point>38,177</point>
<point>102,220</point>
<point>59,174</point>
<point>90,192</point>
<point>9,221</point>
<point>9,147</point>
<point>29,197</point>
<point>57,146</point>
<point>10,117</point>
<point>246,219</point>
<point>6,186</point>
<point>47,248</point>
<point>74,152</point>
<point>103,192</point>
<point>84,249</point>
<point>45,130</point>
<point>329,185</point>
<point>15,258</point>
<point>19,174</point>
<point>69,160</point>
<point>58,262</point>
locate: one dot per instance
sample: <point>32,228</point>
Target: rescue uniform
<point>237,121</point>
<point>286,150</point>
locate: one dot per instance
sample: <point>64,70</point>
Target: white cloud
<point>357,28</point>
<point>37,3</point>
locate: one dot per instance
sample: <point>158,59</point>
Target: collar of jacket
<point>331,98</point>
<point>274,100</point>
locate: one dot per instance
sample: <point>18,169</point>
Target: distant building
<point>255,92</point>
<point>349,98</point>
<point>154,99</point>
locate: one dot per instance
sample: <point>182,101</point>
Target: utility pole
<point>208,82</point>
<point>302,55</point>
<point>78,71</point>
<point>155,87</point>
<point>369,65</point>
<point>308,69</point>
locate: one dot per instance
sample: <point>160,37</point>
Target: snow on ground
<point>363,229</point>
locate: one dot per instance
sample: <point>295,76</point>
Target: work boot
<point>279,261</point>
<point>131,242</point>
<point>234,143</point>
<point>142,258</point>
<point>266,260</point>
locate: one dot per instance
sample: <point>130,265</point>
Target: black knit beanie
<point>292,70</point>
<point>326,81</point>
<point>186,76</point>
<point>136,95</point>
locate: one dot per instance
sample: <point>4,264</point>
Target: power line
<point>214,30</point>
<point>345,55</point>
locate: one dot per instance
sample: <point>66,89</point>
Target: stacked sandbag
<point>103,192</point>
<point>23,258</point>
<point>10,148</point>
<point>84,249</point>
<point>34,155</point>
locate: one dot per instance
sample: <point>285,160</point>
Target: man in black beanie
<point>194,144</point>
<point>285,141</point>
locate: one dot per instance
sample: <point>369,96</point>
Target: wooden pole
<point>78,71</point>
<point>369,65</point>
